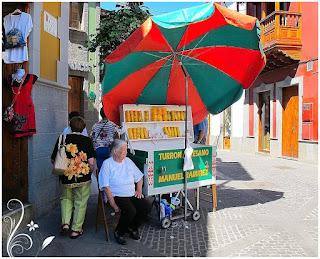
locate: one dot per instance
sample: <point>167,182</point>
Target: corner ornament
<point>21,242</point>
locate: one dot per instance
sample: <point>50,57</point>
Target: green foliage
<point>116,26</point>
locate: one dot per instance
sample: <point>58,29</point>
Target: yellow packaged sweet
<point>173,115</point>
<point>130,133</point>
<point>138,133</point>
<point>155,117</point>
<point>178,115</point>
<point>165,116</point>
<point>140,116</point>
<point>154,114</point>
<point>181,115</point>
<point>127,115</point>
<point>169,132</point>
<point>136,116</point>
<point>146,133</point>
<point>133,118</point>
<point>165,130</point>
<point>175,132</point>
<point>134,133</point>
<point>163,111</point>
<point>178,132</point>
<point>168,116</point>
<point>130,116</point>
<point>146,116</point>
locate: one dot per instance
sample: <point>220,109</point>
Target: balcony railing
<point>282,30</point>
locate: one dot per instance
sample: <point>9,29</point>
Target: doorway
<point>264,121</point>
<point>290,121</point>
<point>227,128</point>
<point>75,97</point>
<point>270,8</point>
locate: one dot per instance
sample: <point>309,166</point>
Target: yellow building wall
<point>49,45</point>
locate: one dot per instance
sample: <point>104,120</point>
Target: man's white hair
<point>116,145</point>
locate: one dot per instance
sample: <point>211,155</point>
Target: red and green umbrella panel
<point>220,50</point>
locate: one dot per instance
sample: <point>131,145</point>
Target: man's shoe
<point>119,238</point>
<point>134,234</point>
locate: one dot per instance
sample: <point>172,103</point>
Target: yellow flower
<point>68,173</point>
<point>83,156</point>
<point>72,148</point>
<point>85,168</point>
<point>77,160</point>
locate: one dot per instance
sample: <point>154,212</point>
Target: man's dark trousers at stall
<point>133,212</point>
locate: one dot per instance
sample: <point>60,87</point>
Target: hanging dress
<point>24,123</point>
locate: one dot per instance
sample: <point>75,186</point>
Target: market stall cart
<point>156,136</point>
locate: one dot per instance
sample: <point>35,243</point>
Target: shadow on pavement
<point>232,171</point>
<point>230,197</point>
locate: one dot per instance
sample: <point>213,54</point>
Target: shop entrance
<point>75,97</point>
<point>227,128</point>
<point>290,121</point>
<point>264,121</point>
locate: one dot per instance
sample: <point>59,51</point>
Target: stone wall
<point>50,100</point>
<point>51,109</point>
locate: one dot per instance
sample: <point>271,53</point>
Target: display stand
<point>158,150</point>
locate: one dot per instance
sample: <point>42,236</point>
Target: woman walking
<point>76,180</point>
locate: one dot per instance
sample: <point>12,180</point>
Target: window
<point>309,66</point>
<point>284,6</point>
<point>75,17</point>
<point>256,10</point>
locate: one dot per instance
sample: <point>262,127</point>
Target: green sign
<point>168,166</point>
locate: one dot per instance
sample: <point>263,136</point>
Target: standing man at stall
<point>200,132</point>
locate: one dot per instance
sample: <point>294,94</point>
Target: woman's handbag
<point>8,114</point>
<point>61,161</point>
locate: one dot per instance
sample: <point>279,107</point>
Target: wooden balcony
<point>281,38</point>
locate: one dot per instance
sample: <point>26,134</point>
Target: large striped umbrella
<point>216,50</point>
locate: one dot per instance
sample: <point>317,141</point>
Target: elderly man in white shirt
<point>122,182</point>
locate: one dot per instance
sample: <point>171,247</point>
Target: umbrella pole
<point>185,144</point>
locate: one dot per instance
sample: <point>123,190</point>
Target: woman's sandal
<point>64,229</point>
<point>79,233</point>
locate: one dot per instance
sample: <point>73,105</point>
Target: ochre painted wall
<point>49,45</point>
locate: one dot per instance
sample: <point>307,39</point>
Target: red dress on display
<point>24,123</point>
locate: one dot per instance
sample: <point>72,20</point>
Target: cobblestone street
<point>266,207</point>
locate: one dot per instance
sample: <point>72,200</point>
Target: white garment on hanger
<point>22,22</point>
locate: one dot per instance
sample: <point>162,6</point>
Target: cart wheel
<point>165,223</point>
<point>196,215</point>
